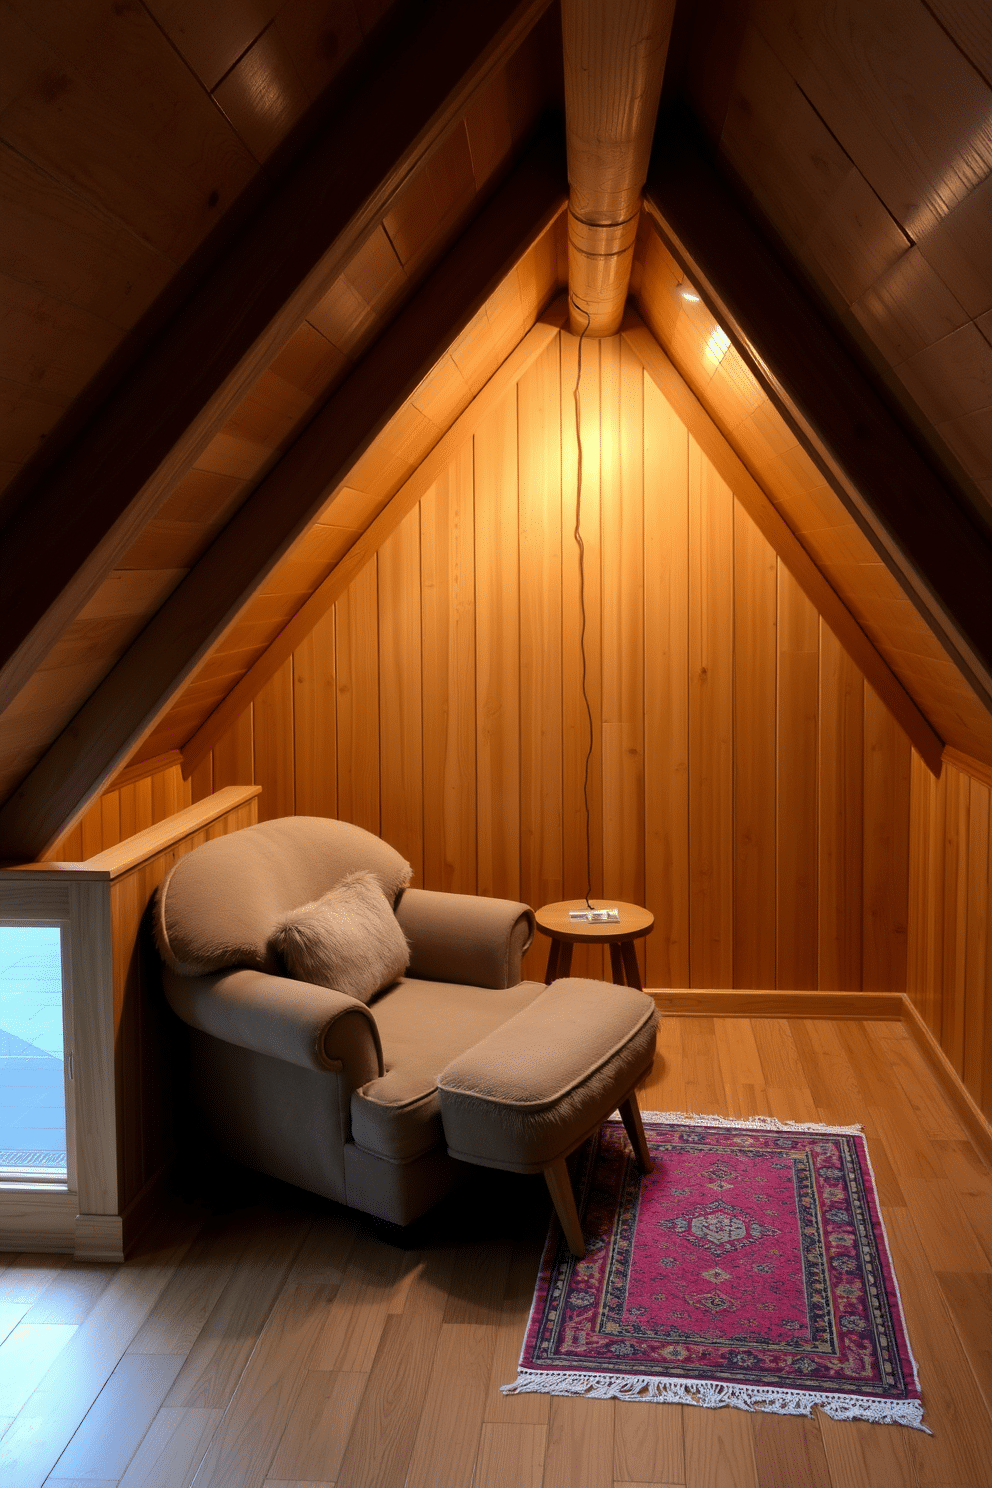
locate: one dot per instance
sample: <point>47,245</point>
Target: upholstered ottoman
<point>533,1090</point>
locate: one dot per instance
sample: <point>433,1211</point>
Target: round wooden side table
<point>620,935</point>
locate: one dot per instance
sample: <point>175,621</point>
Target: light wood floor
<point>284,1342</point>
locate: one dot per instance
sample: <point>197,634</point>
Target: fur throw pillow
<point>349,939</point>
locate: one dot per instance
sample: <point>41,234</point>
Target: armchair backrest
<point>219,905</point>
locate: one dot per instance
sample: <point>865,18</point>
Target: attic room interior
<point>326,324</point>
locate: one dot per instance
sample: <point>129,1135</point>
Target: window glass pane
<point>32,1088</point>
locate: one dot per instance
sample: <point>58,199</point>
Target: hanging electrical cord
<point>582,600</point>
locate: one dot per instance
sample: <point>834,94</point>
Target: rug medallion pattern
<point>750,1268</point>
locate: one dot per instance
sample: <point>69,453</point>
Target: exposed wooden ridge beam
<point>614,54</point>
<point>70,531</point>
<point>933,543</point>
<point>718,450</point>
<point>139,689</point>
<point>365,547</point>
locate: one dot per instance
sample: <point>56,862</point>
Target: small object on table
<point>555,920</point>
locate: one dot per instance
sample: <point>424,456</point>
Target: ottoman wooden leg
<point>630,1114</point>
<point>563,1198</point>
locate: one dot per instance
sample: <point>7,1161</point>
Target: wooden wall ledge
<point>975,768</point>
<point>133,851</point>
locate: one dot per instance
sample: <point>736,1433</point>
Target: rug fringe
<point>713,1394</point>
<point>758,1123</point>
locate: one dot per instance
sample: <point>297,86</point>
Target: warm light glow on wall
<point>716,348</point>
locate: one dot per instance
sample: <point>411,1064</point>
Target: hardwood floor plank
<point>356,1321</point>
<point>580,1444</point>
<point>447,1442</point>
<point>11,1314</point>
<point>172,1449</point>
<point>860,1454</point>
<point>224,1345</point>
<point>177,1319</point>
<point>510,1454</point>
<point>115,1425</point>
<point>72,1294</point>
<point>81,1482</point>
<point>53,1412</point>
<point>719,1449</point>
<point>517,1410</point>
<point>441,1326</point>
<point>704,1088</point>
<point>381,1442</point>
<point>26,1357</point>
<point>478,1282</point>
<point>243,1445</point>
<point>959,1451</point>
<point>969,1301</point>
<point>788,1452</point>
<point>312,1445</point>
<point>664,1088</point>
<point>296,1483</point>
<point>326,1251</point>
<point>962,1166</point>
<point>27,1276</point>
<point>906,1063</point>
<point>648,1442</point>
<point>740,1068</point>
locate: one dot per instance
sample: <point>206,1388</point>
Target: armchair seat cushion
<point>423,1026</point>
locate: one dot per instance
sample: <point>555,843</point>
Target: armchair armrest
<point>315,1027</point>
<point>465,937</point>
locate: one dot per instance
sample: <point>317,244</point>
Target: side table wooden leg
<point>630,1115</point>
<point>616,964</point>
<point>554,956</point>
<point>563,1198</point>
<point>564,959</point>
<point>630,964</point>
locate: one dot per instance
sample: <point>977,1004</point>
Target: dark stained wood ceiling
<point>141,145</point>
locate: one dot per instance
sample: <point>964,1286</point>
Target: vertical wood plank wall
<point>745,782</point>
<point>120,813</point>
<point>949,975</point>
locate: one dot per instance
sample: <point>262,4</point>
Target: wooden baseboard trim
<point>958,1097</point>
<point>98,1238</point>
<point>735,1002</point>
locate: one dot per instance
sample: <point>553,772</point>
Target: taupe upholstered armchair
<point>320,1056</point>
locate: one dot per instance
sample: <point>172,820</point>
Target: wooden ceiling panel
<point>80,138</point>
<point>907,308</point>
<point>111,272</point>
<point>211,38</point>
<point>26,416</point>
<point>48,343</point>
<point>330,193</point>
<point>126,706</point>
<point>863,133</point>
<point>900,98</point>
<point>959,248</point>
<point>263,95</point>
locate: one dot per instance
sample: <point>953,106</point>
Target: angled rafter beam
<point>773,527</point>
<point>139,689</point>
<point>923,530</point>
<point>365,547</point>
<point>69,532</point>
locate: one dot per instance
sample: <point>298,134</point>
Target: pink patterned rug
<point>750,1268</point>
